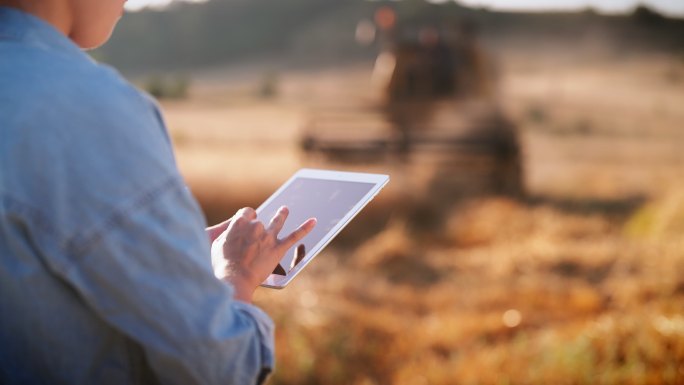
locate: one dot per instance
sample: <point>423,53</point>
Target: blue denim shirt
<point>105,273</point>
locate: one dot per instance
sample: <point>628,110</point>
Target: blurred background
<point>532,232</point>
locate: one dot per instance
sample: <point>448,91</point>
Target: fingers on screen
<point>298,234</point>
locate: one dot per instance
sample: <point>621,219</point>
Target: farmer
<point>105,269</point>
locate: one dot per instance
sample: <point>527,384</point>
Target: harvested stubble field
<point>580,282</point>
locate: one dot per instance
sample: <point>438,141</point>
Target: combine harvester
<point>437,113</point>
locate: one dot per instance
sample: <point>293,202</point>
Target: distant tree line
<point>222,32</point>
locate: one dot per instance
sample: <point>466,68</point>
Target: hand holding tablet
<point>244,254</point>
<point>332,197</point>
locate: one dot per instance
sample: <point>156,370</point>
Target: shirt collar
<point>23,27</point>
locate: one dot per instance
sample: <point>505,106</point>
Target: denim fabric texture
<point>105,271</point>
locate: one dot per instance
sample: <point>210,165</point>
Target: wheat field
<point>579,282</point>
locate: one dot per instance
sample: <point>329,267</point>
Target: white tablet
<point>332,197</point>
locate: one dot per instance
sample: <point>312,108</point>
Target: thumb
<point>216,230</point>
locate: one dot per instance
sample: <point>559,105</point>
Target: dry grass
<point>580,283</point>
<point>557,298</point>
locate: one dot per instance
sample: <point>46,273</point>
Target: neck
<point>55,12</point>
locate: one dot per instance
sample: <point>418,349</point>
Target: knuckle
<point>245,211</point>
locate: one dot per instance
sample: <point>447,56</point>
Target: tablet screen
<point>326,200</point>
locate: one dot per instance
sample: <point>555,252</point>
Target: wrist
<point>242,291</point>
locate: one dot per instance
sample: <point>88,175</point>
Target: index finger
<point>304,229</point>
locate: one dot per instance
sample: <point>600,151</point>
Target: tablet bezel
<point>378,180</point>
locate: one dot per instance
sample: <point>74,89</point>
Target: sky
<point>672,7</point>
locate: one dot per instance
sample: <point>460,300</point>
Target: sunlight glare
<point>136,5</point>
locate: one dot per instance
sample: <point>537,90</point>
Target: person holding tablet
<point>105,269</point>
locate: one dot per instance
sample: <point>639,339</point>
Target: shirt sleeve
<point>146,272</point>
